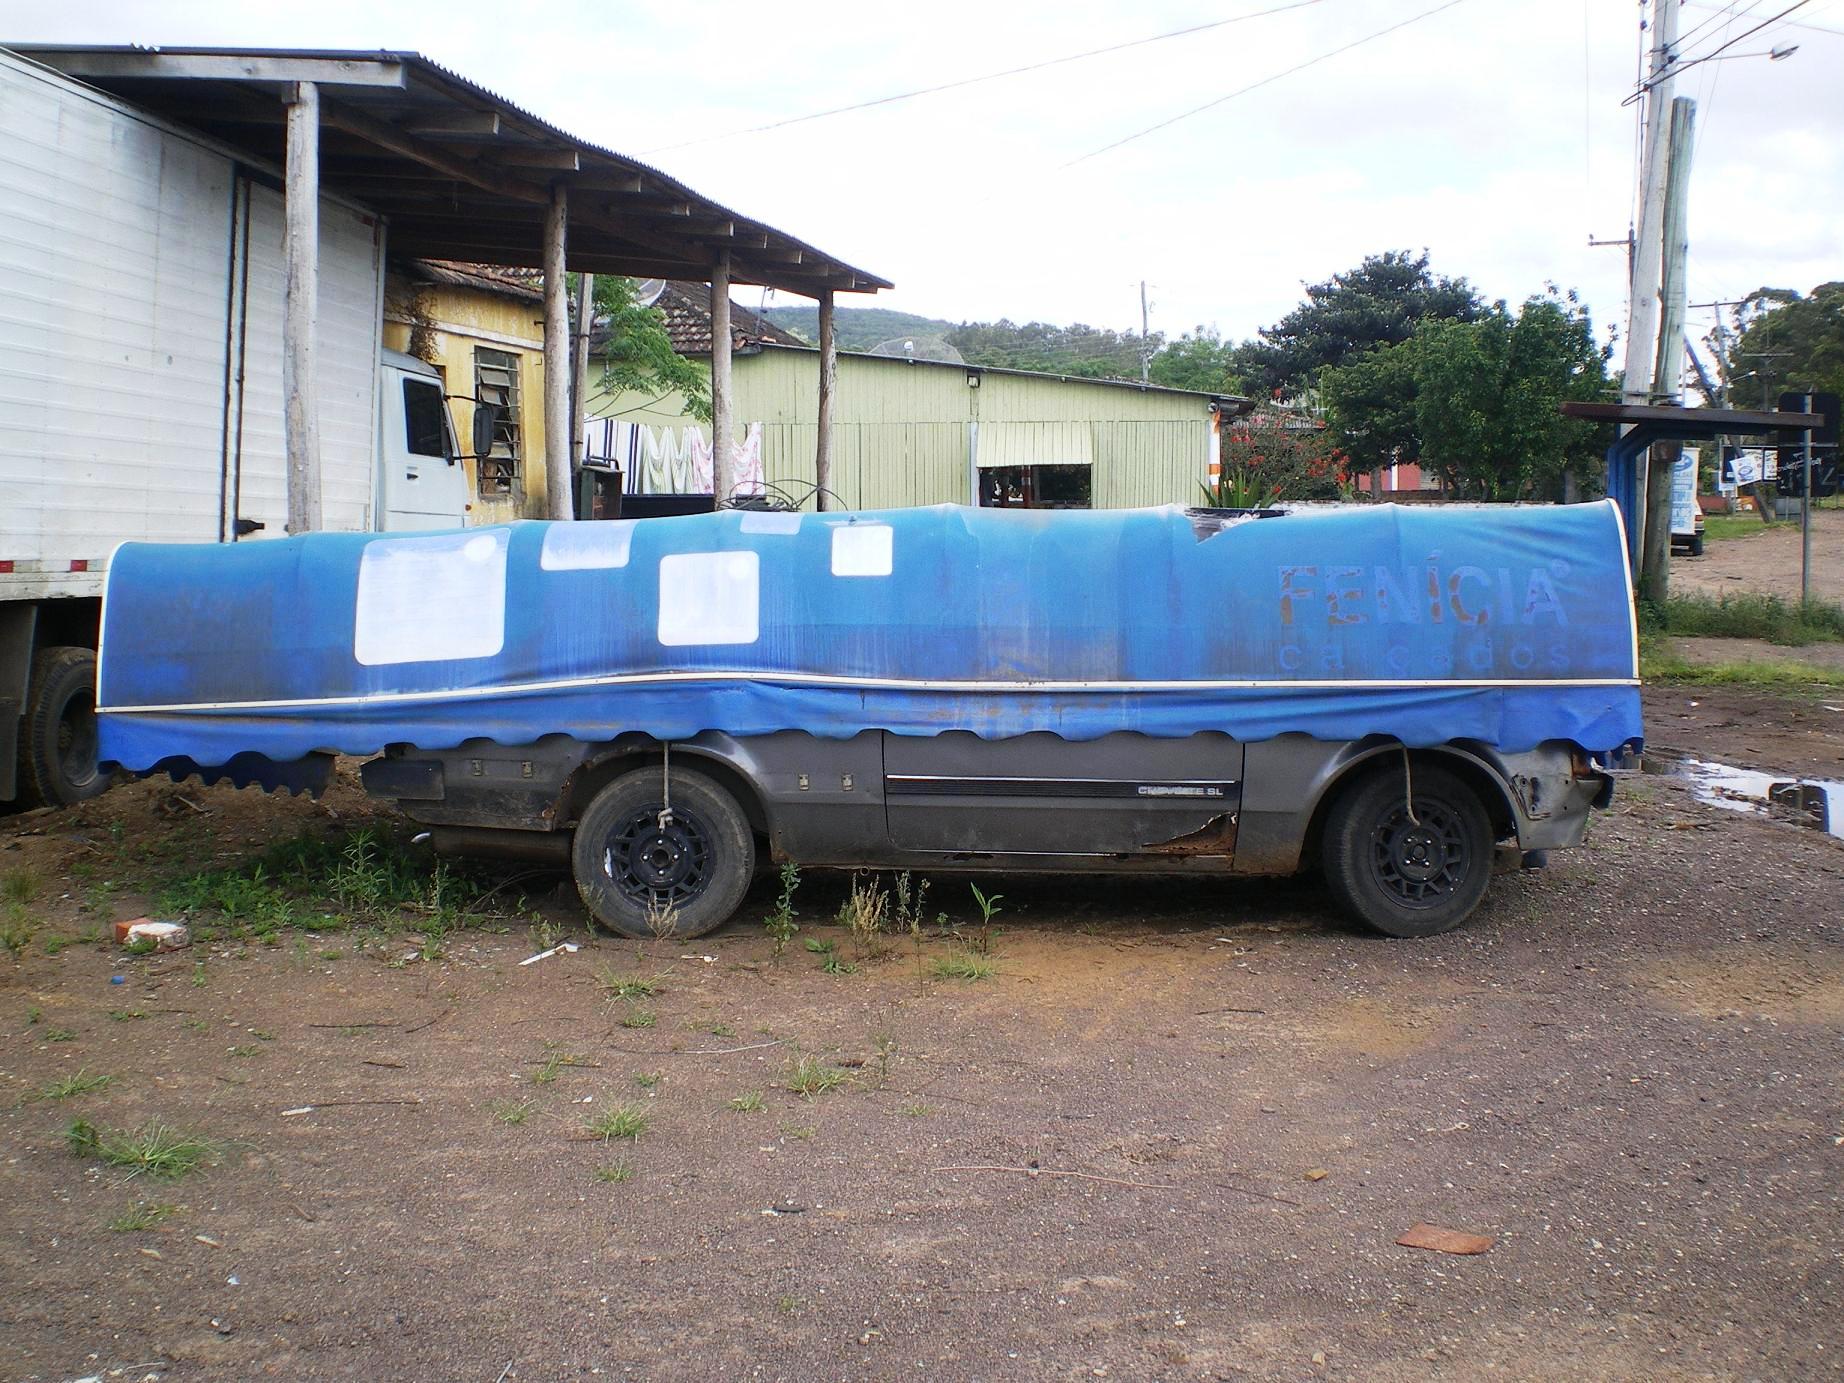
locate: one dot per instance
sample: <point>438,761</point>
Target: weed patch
<point>619,1121</point>
<point>156,1148</point>
<point>83,1083</point>
<point>964,965</point>
<point>809,1077</point>
<point>142,1217</point>
<point>614,1172</point>
<point>749,1102</point>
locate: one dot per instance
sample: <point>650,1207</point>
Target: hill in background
<point>857,328</point>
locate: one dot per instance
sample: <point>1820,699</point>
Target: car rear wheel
<point>1408,867</point>
<point>644,869</point>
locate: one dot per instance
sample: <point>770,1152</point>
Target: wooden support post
<point>559,500</point>
<point>723,454</point>
<point>829,378</point>
<point>301,306</point>
<point>579,363</point>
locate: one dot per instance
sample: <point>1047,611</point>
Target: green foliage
<point>614,1172</point>
<point>512,1112</point>
<point>83,1083</point>
<point>620,986</point>
<point>809,1077</point>
<point>1477,402</point>
<point>156,1147</point>
<point>1080,350</point>
<point>1199,360</point>
<point>636,353</point>
<point>780,923</point>
<point>1744,615</point>
<point>1379,303</point>
<point>989,909</point>
<point>367,873</point>
<point>141,1217</point>
<point>749,1102</point>
<point>964,965</point>
<point>1659,663</point>
<point>1786,342</point>
<point>619,1121</point>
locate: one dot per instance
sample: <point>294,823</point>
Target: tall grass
<point>1746,615</point>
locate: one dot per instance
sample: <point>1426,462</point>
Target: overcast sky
<point>1490,133</point>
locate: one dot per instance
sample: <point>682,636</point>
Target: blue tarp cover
<point>1509,625</point>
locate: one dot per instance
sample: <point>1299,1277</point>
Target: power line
<point>988,76</point>
<point>1678,69</point>
<point>1265,81</point>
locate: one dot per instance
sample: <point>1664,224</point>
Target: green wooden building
<point>913,431</point>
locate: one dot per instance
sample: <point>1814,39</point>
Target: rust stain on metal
<point>1216,836</point>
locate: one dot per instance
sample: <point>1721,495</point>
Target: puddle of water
<point>1819,801</point>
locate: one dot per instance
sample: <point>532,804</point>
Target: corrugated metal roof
<point>460,172</point>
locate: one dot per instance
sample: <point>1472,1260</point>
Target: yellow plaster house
<point>483,329</point>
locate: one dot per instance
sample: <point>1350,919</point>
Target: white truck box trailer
<point>141,289</point>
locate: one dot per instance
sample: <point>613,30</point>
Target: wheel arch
<point>1375,757</point>
<point>610,762</point>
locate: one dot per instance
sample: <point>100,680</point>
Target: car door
<point>1040,794</point>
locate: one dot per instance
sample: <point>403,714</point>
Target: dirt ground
<point>1174,1137</point>
<point>1767,562</point>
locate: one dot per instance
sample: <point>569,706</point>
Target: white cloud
<point>1491,133</point>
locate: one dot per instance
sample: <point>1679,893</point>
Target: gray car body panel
<point>1122,803</point>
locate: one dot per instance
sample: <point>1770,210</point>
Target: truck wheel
<point>683,878</point>
<point>1406,876</point>
<point>57,734</point>
<point>1696,546</point>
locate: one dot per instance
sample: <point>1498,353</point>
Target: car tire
<point>1408,874</point>
<point>1696,546</point>
<point>57,734</point>
<point>685,878</point>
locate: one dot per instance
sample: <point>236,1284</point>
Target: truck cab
<point>421,481</point>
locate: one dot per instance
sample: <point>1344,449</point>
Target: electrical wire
<point>1265,81</point>
<point>986,77</point>
<point>1678,69</point>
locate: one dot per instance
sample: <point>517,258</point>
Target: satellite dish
<point>919,348</point>
<point>647,291</point>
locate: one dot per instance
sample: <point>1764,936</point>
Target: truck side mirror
<point>486,422</point>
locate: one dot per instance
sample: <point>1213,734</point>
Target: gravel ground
<point>1767,562</point>
<point>1174,1137</point>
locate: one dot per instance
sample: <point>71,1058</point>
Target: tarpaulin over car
<point>1509,625</point>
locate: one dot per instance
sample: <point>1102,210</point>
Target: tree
<point>638,357</point>
<point>1478,402</point>
<point>1197,360</point>
<point>1787,343</point>
<point>1379,303</point>
<point>1090,352</point>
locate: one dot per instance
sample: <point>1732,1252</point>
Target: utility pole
<point>1668,367</point>
<point>1145,354</point>
<point>1648,249</point>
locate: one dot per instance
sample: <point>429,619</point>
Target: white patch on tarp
<point>709,598</point>
<point>592,545</point>
<point>862,549</point>
<point>759,521</point>
<point>430,600</point>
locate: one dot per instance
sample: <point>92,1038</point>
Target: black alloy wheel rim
<point>77,740</point>
<point>659,866</point>
<point>1420,862</point>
